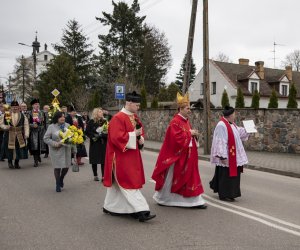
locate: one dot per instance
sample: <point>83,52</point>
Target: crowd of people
<point>115,143</point>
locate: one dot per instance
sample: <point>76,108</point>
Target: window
<point>201,88</point>
<point>284,90</point>
<point>253,87</point>
<point>45,57</point>
<point>213,88</point>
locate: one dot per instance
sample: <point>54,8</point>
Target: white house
<point>230,76</point>
<point>42,58</point>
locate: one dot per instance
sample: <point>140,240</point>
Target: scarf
<point>231,149</point>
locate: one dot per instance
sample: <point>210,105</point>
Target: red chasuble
<point>176,150</point>
<point>126,163</point>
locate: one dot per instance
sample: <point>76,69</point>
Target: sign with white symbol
<point>119,91</point>
<point>55,92</point>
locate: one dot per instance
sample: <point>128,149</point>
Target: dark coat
<point>97,142</point>
<point>36,143</point>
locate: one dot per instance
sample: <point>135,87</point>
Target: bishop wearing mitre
<point>176,172</point>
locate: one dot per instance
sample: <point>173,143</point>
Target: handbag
<point>75,167</point>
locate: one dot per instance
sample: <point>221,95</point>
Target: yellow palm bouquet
<point>71,135</point>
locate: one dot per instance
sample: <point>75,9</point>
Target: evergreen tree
<point>23,79</point>
<point>292,102</point>
<point>75,44</point>
<point>273,102</point>
<point>154,103</point>
<point>143,98</point>
<point>240,102</point>
<point>132,51</point>
<point>255,100</point>
<point>173,89</point>
<point>123,42</point>
<point>60,74</point>
<point>163,95</point>
<point>180,75</point>
<point>225,99</point>
<point>95,100</point>
<point>155,60</point>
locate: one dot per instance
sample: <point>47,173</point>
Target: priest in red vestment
<point>124,173</point>
<point>176,171</point>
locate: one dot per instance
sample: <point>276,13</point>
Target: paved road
<point>34,216</point>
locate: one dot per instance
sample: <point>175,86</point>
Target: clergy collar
<point>127,112</point>
<point>227,120</point>
<point>182,116</point>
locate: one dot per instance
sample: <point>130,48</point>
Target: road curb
<point>249,166</point>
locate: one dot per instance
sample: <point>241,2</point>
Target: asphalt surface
<point>34,216</point>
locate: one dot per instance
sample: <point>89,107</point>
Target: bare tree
<point>293,59</point>
<point>23,79</point>
<point>221,57</point>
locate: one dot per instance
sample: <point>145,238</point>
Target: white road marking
<point>253,212</point>
<point>255,218</point>
<point>252,217</point>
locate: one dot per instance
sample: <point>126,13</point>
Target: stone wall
<point>278,129</point>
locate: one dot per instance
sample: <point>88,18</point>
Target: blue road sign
<point>119,91</point>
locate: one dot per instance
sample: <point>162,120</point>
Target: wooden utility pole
<point>206,85</point>
<point>188,56</point>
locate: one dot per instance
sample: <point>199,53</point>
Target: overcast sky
<point>237,28</point>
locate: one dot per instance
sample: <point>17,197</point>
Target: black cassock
<point>97,142</point>
<point>224,185</point>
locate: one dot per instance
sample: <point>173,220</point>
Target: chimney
<point>244,61</point>
<point>289,72</point>
<point>259,69</point>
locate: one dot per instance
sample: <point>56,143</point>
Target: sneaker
<point>96,178</point>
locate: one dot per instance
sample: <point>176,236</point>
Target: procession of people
<point>116,144</point>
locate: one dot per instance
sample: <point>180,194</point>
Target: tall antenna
<point>274,52</point>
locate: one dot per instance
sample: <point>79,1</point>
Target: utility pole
<point>23,78</point>
<point>188,58</point>
<point>206,85</point>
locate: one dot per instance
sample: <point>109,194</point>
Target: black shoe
<point>10,165</point>
<point>58,188</point>
<point>200,207</point>
<point>36,164</point>
<point>39,159</point>
<point>111,213</point>
<point>227,199</point>
<point>17,166</point>
<point>145,217</point>
<point>46,156</point>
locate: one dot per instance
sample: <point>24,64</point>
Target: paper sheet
<point>250,126</point>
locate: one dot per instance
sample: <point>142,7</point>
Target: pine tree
<point>143,98</point>
<point>172,91</point>
<point>292,102</point>
<point>255,100</point>
<point>273,102</point>
<point>123,43</point>
<point>225,99</point>
<point>132,50</point>
<point>60,74</point>
<point>240,102</point>
<point>75,44</point>
<point>154,103</point>
<point>180,75</point>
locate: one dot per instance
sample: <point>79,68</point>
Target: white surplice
<point>166,198</point>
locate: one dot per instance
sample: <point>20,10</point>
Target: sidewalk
<point>277,163</point>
